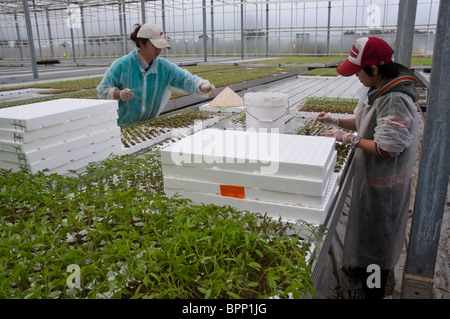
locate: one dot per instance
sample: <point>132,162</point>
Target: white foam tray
<point>69,160</point>
<point>311,115</point>
<point>44,114</point>
<point>304,157</point>
<point>301,186</point>
<point>289,213</point>
<point>80,165</point>
<point>68,127</point>
<point>189,130</point>
<point>229,125</point>
<point>145,144</point>
<point>73,146</point>
<point>252,193</point>
<point>171,133</point>
<point>52,141</point>
<point>234,109</point>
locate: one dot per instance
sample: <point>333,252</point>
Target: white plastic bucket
<point>265,110</point>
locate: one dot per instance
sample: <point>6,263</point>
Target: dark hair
<point>388,70</point>
<point>134,37</point>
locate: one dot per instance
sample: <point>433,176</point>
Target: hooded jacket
<point>153,85</point>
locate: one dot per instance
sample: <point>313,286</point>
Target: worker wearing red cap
<point>385,143</point>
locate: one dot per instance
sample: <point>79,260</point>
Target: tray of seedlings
<point>114,217</point>
<point>343,151</point>
<point>238,121</point>
<point>339,107</point>
<point>164,128</point>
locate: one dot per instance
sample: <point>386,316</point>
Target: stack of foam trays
<point>58,136</point>
<point>287,176</point>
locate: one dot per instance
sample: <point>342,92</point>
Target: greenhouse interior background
<point>99,29</point>
<point>75,42</point>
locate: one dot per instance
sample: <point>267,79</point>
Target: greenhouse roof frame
<point>15,6</point>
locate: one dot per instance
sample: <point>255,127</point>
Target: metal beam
<point>37,30</point>
<point>143,11</point>
<point>69,13</point>
<point>212,28</point>
<point>434,171</point>
<point>405,31</point>
<point>267,28</point>
<point>242,29</point>
<point>26,11</point>
<point>205,42</point>
<point>125,31</point>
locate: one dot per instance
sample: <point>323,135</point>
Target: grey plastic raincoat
<point>381,186</point>
<point>153,86</point>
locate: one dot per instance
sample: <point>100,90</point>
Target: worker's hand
<point>339,135</point>
<point>126,95</point>
<point>208,89</point>
<point>326,119</point>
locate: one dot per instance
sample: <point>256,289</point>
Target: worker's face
<point>368,81</point>
<point>365,79</point>
<point>149,51</point>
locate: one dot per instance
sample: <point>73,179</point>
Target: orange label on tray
<point>232,191</point>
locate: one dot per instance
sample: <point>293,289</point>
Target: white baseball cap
<point>155,34</point>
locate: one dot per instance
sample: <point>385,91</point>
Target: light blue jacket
<point>153,86</point>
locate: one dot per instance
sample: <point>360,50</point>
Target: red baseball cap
<point>366,52</point>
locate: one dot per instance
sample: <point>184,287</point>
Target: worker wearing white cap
<point>143,82</point>
<point>385,144</point>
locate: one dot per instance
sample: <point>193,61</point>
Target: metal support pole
<point>83,32</point>
<point>143,11</point>
<point>434,171</point>
<point>267,28</point>
<point>69,12</point>
<point>328,28</point>
<point>125,32</point>
<point>205,43</point>
<point>163,17</point>
<point>37,30</point>
<point>19,40</point>
<point>50,38</point>
<point>26,12</point>
<point>242,29</point>
<point>121,28</point>
<point>405,31</point>
<point>212,28</point>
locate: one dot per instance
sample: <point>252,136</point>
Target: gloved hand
<point>326,119</point>
<point>126,95</point>
<point>339,135</point>
<point>208,89</point>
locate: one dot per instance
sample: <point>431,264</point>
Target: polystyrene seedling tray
<point>52,141</point>
<point>73,147</point>
<point>80,164</point>
<point>270,182</point>
<point>234,109</point>
<point>44,114</point>
<point>167,133</point>
<point>68,127</point>
<point>253,152</point>
<point>290,213</point>
<point>252,193</point>
<point>111,146</point>
<point>145,144</point>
